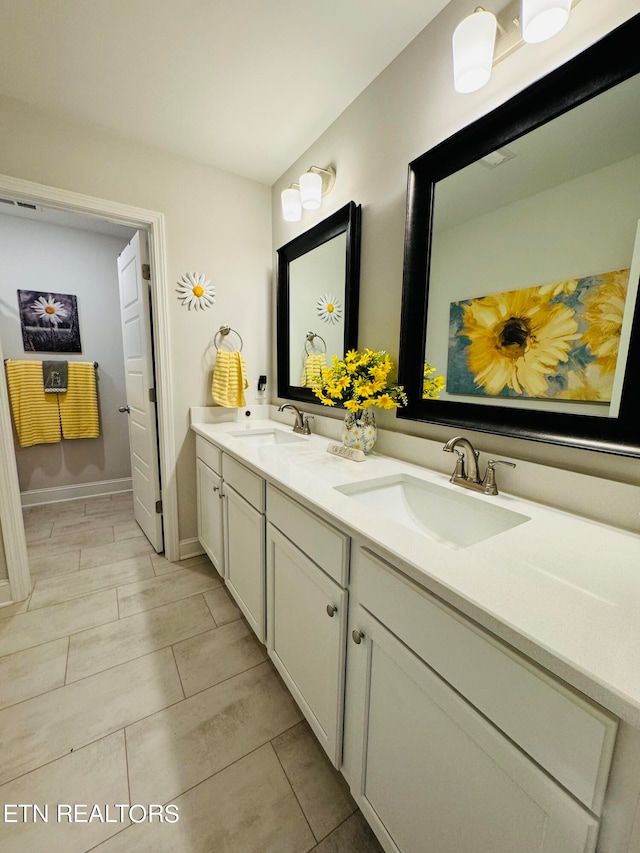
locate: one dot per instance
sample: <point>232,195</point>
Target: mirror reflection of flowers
<point>49,309</point>
<point>431,385</point>
<point>361,380</point>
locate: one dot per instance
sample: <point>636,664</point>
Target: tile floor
<point>126,679</point>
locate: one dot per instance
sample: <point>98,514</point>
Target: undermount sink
<point>266,437</point>
<point>454,519</point>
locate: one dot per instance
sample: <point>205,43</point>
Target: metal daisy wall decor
<point>195,289</point>
<point>49,321</point>
<point>329,308</point>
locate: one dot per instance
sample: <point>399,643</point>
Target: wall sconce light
<point>483,38</point>
<point>312,186</point>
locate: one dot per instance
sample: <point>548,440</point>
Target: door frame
<point>154,224</point>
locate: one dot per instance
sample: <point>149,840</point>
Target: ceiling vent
<point>18,203</point>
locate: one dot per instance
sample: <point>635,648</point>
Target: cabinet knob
<point>357,637</point>
<point>216,488</point>
<point>331,609</point>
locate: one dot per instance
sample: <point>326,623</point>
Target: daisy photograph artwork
<point>49,321</point>
<point>555,341</point>
<point>195,289</point>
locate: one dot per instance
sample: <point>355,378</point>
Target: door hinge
<point>159,507</point>
<point>152,395</point>
<point>146,272</point>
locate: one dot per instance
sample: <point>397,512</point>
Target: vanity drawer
<point>244,481</point>
<point>324,544</point>
<point>571,738</point>
<point>209,454</point>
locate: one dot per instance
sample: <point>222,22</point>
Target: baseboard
<point>70,493</point>
<point>5,592</point>
<point>190,548</point>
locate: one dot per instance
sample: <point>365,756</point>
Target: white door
<point>140,389</point>
<point>210,526</point>
<point>245,564</point>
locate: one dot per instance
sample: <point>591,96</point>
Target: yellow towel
<point>35,414</point>
<point>79,404</point>
<point>229,380</point>
<point>312,370</point>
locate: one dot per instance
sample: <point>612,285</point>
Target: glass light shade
<point>311,190</point>
<point>473,43</point>
<point>542,19</point>
<point>291,205</point>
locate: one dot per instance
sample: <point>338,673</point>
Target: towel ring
<point>310,338</point>
<point>222,332</point>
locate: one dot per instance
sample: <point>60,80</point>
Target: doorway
<point>135,218</point>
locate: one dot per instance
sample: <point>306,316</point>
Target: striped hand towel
<point>79,405</point>
<point>229,380</point>
<point>35,414</point>
<point>312,370</point>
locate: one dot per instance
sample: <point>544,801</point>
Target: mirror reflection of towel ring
<point>310,338</point>
<point>222,332</point>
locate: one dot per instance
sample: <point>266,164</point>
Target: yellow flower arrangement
<point>431,385</point>
<point>359,381</point>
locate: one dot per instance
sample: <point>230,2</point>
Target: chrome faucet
<point>301,423</point>
<point>472,479</point>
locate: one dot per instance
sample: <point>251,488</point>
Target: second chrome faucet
<point>301,423</point>
<point>466,473</point>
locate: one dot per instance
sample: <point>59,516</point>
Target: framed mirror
<point>317,302</point>
<point>522,261</point>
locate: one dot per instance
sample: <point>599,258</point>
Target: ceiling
<point>243,85</point>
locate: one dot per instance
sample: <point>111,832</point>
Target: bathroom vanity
<point>472,672</point>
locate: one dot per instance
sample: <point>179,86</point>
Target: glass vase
<point>359,430</point>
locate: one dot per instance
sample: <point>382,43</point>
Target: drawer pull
<point>357,637</point>
<point>331,610</point>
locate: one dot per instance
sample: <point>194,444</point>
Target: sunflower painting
<point>555,341</point>
<point>49,321</point>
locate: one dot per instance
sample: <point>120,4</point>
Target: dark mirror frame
<point>347,221</point>
<point>610,61</point>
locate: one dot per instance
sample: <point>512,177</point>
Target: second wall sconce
<point>485,38</point>
<point>307,193</point>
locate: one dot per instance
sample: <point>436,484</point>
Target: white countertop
<point>563,590</point>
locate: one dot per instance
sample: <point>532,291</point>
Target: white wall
<point>46,257</point>
<point>408,109</point>
<point>216,223</point>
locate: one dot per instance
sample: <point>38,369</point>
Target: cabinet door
<point>433,774</point>
<point>244,529</point>
<point>210,530</point>
<point>306,637</point>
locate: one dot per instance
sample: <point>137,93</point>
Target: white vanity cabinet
<point>307,613</point>
<point>244,524</point>
<point>209,494</point>
<point>440,747</point>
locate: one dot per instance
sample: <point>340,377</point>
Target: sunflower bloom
<point>516,339</point>
<point>604,310</point>
<point>589,384</point>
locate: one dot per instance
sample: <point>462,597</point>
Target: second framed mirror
<point>317,308</point>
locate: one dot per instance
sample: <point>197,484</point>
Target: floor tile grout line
<point>60,757</point>
<point>293,790</point>
<point>118,586</point>
<point>175,660</point>
<point>126,760</point>
<point>210,610</point>
<point>173,600</point>
<point>66,666</point>
<point>138,657</point>
<point>54,639</point>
